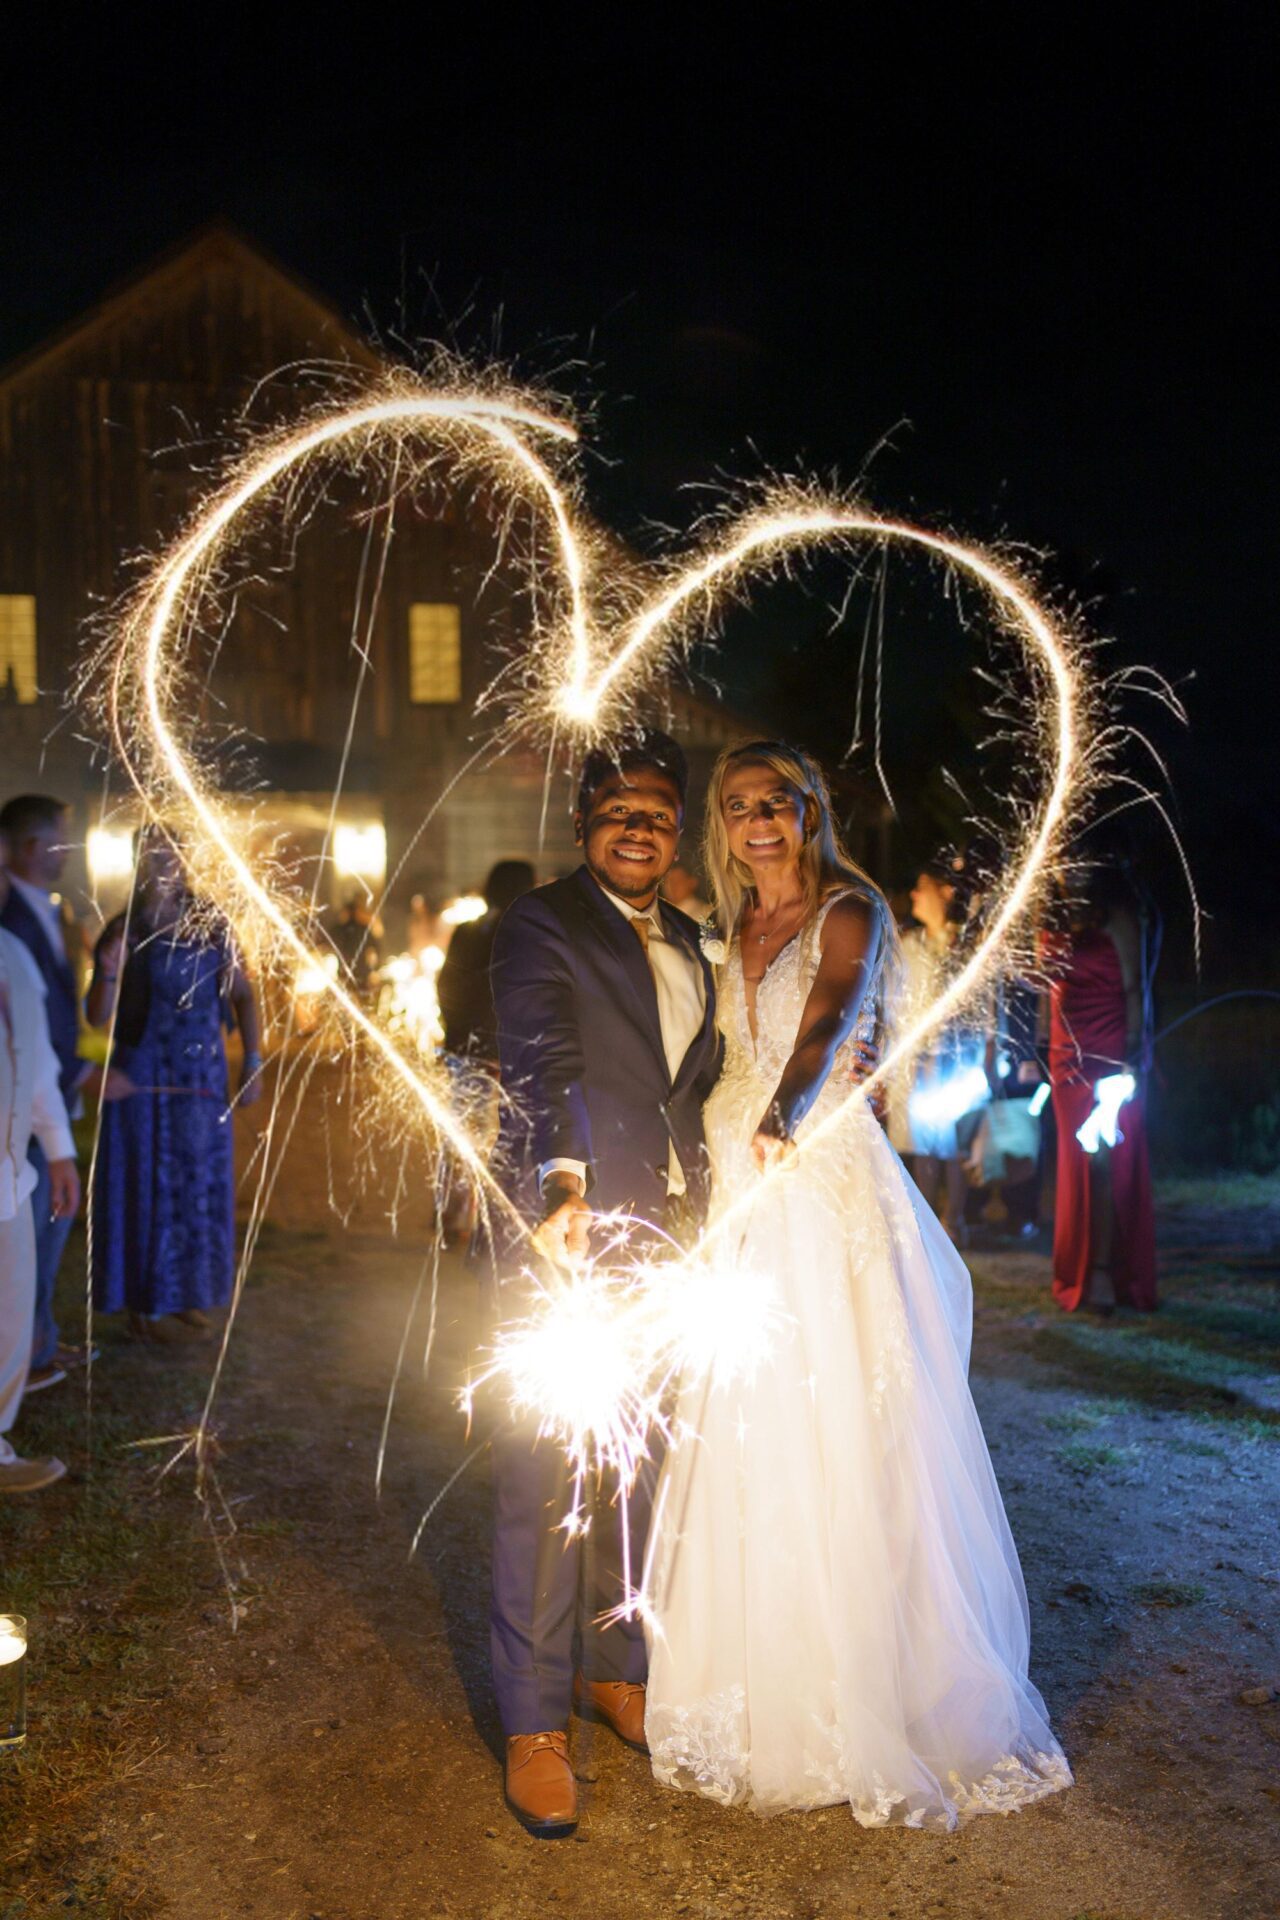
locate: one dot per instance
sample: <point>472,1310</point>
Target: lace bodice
<point>780,1003</point>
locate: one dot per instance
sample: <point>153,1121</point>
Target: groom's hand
<point>566,1223</point>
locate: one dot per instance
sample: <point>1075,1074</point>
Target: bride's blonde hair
<point>826,865</point>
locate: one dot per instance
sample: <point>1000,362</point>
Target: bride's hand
<point>772,1145</point>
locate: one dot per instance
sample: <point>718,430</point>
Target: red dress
<point>1087,1042</point>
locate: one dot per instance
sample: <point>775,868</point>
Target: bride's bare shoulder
<point>849,924</point>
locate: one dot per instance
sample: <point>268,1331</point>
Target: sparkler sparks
<point>594,1356</point>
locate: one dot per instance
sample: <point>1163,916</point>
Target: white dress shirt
<point>682,1006</point>
<point>30,1100</point>
<point>45,912</point>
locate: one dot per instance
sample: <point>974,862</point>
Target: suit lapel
<point>626,950</point>
<point>18,910</point>
<point>678,932</point>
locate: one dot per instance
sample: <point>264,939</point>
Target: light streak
<point>1039,1099</point>
<point>763,541</point>
<point>937,1104</point>
<point>168,602</point>
<point>1101,1127</point>
<point>626,1330</point>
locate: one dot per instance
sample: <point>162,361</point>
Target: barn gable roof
<point>167,278</point>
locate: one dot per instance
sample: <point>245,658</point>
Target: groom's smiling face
<point>629,831</point>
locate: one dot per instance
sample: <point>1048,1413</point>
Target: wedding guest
<point>37,834</point>
<point>463,989</point>
<point>683,889</point>
<point>923,1110</point>
<point>421,929</point>
<point>31,1107</point>
<point>466,1007</point>
<point>356,937</point>
<point>162,1201</point>
<point>1104,1250</point>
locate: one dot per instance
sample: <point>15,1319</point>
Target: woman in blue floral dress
<point>162,1203</point>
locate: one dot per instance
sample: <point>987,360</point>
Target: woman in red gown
<point>1104,1227</point>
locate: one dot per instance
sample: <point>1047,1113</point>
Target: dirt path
<point>335,1758</point>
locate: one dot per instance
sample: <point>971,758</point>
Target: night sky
<point>1043,250</point>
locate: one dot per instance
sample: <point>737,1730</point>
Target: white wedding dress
<point>838,1613</point>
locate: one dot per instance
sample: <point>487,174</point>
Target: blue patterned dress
<point>162,1201</point>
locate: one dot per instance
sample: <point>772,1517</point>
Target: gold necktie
<point>640,926</point>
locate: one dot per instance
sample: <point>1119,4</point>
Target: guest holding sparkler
<point>1104,1248</point>
<point>162,1200</point>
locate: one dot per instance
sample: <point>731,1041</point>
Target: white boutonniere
<point>713,947</point>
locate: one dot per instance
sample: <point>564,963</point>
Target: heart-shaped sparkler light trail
<point>588,665</point>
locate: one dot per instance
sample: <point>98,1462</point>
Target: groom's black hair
<point>647,748</point>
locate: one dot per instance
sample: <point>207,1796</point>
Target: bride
<point>837,1608</point>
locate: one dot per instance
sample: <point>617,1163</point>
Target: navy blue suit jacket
<point>584,1073</point>
<point>60,990</point>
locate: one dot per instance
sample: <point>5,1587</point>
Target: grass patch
<point>1081,1419</point>
<point>1244,1425</point>
<point>1226,1321</point>
<point>1204,1449</point>
<point>110,1566</point>
<point>1168,1593</point>
<point>1140,1367</point>
<point>1086,1415</point>
<point>1097,1456</point>
<point>1229,1190</point>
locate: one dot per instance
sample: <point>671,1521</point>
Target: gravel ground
<point>336,1757</point>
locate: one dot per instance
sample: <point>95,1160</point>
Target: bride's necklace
<point>796,915</point>
<point>788,926</point>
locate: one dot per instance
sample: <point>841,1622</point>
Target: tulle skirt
<point>838,1610</point>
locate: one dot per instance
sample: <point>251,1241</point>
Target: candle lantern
<point>13,1680</point>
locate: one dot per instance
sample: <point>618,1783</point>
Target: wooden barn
<point>108,433</point>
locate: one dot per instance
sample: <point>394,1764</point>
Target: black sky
<point>1043,243</point>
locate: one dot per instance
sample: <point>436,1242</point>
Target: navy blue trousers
<point>51,1240</point>
<point>549,1590</point>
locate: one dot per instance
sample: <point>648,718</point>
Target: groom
<point>608,1048</point>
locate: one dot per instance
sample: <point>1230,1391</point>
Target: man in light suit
<point>608,1048</point>
<point>31,1108</point>
<point>36,830</point>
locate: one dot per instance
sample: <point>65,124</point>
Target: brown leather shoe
<point>541,1790</point>
<point>619,1703</point>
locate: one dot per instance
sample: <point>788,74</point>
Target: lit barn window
<point>18,647</point>
<point>435,653</point>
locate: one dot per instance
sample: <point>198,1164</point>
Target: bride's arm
<point>850,947</point>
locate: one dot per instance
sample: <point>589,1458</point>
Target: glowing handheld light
<point>1102,1126</point>
<point>948,1100</point>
